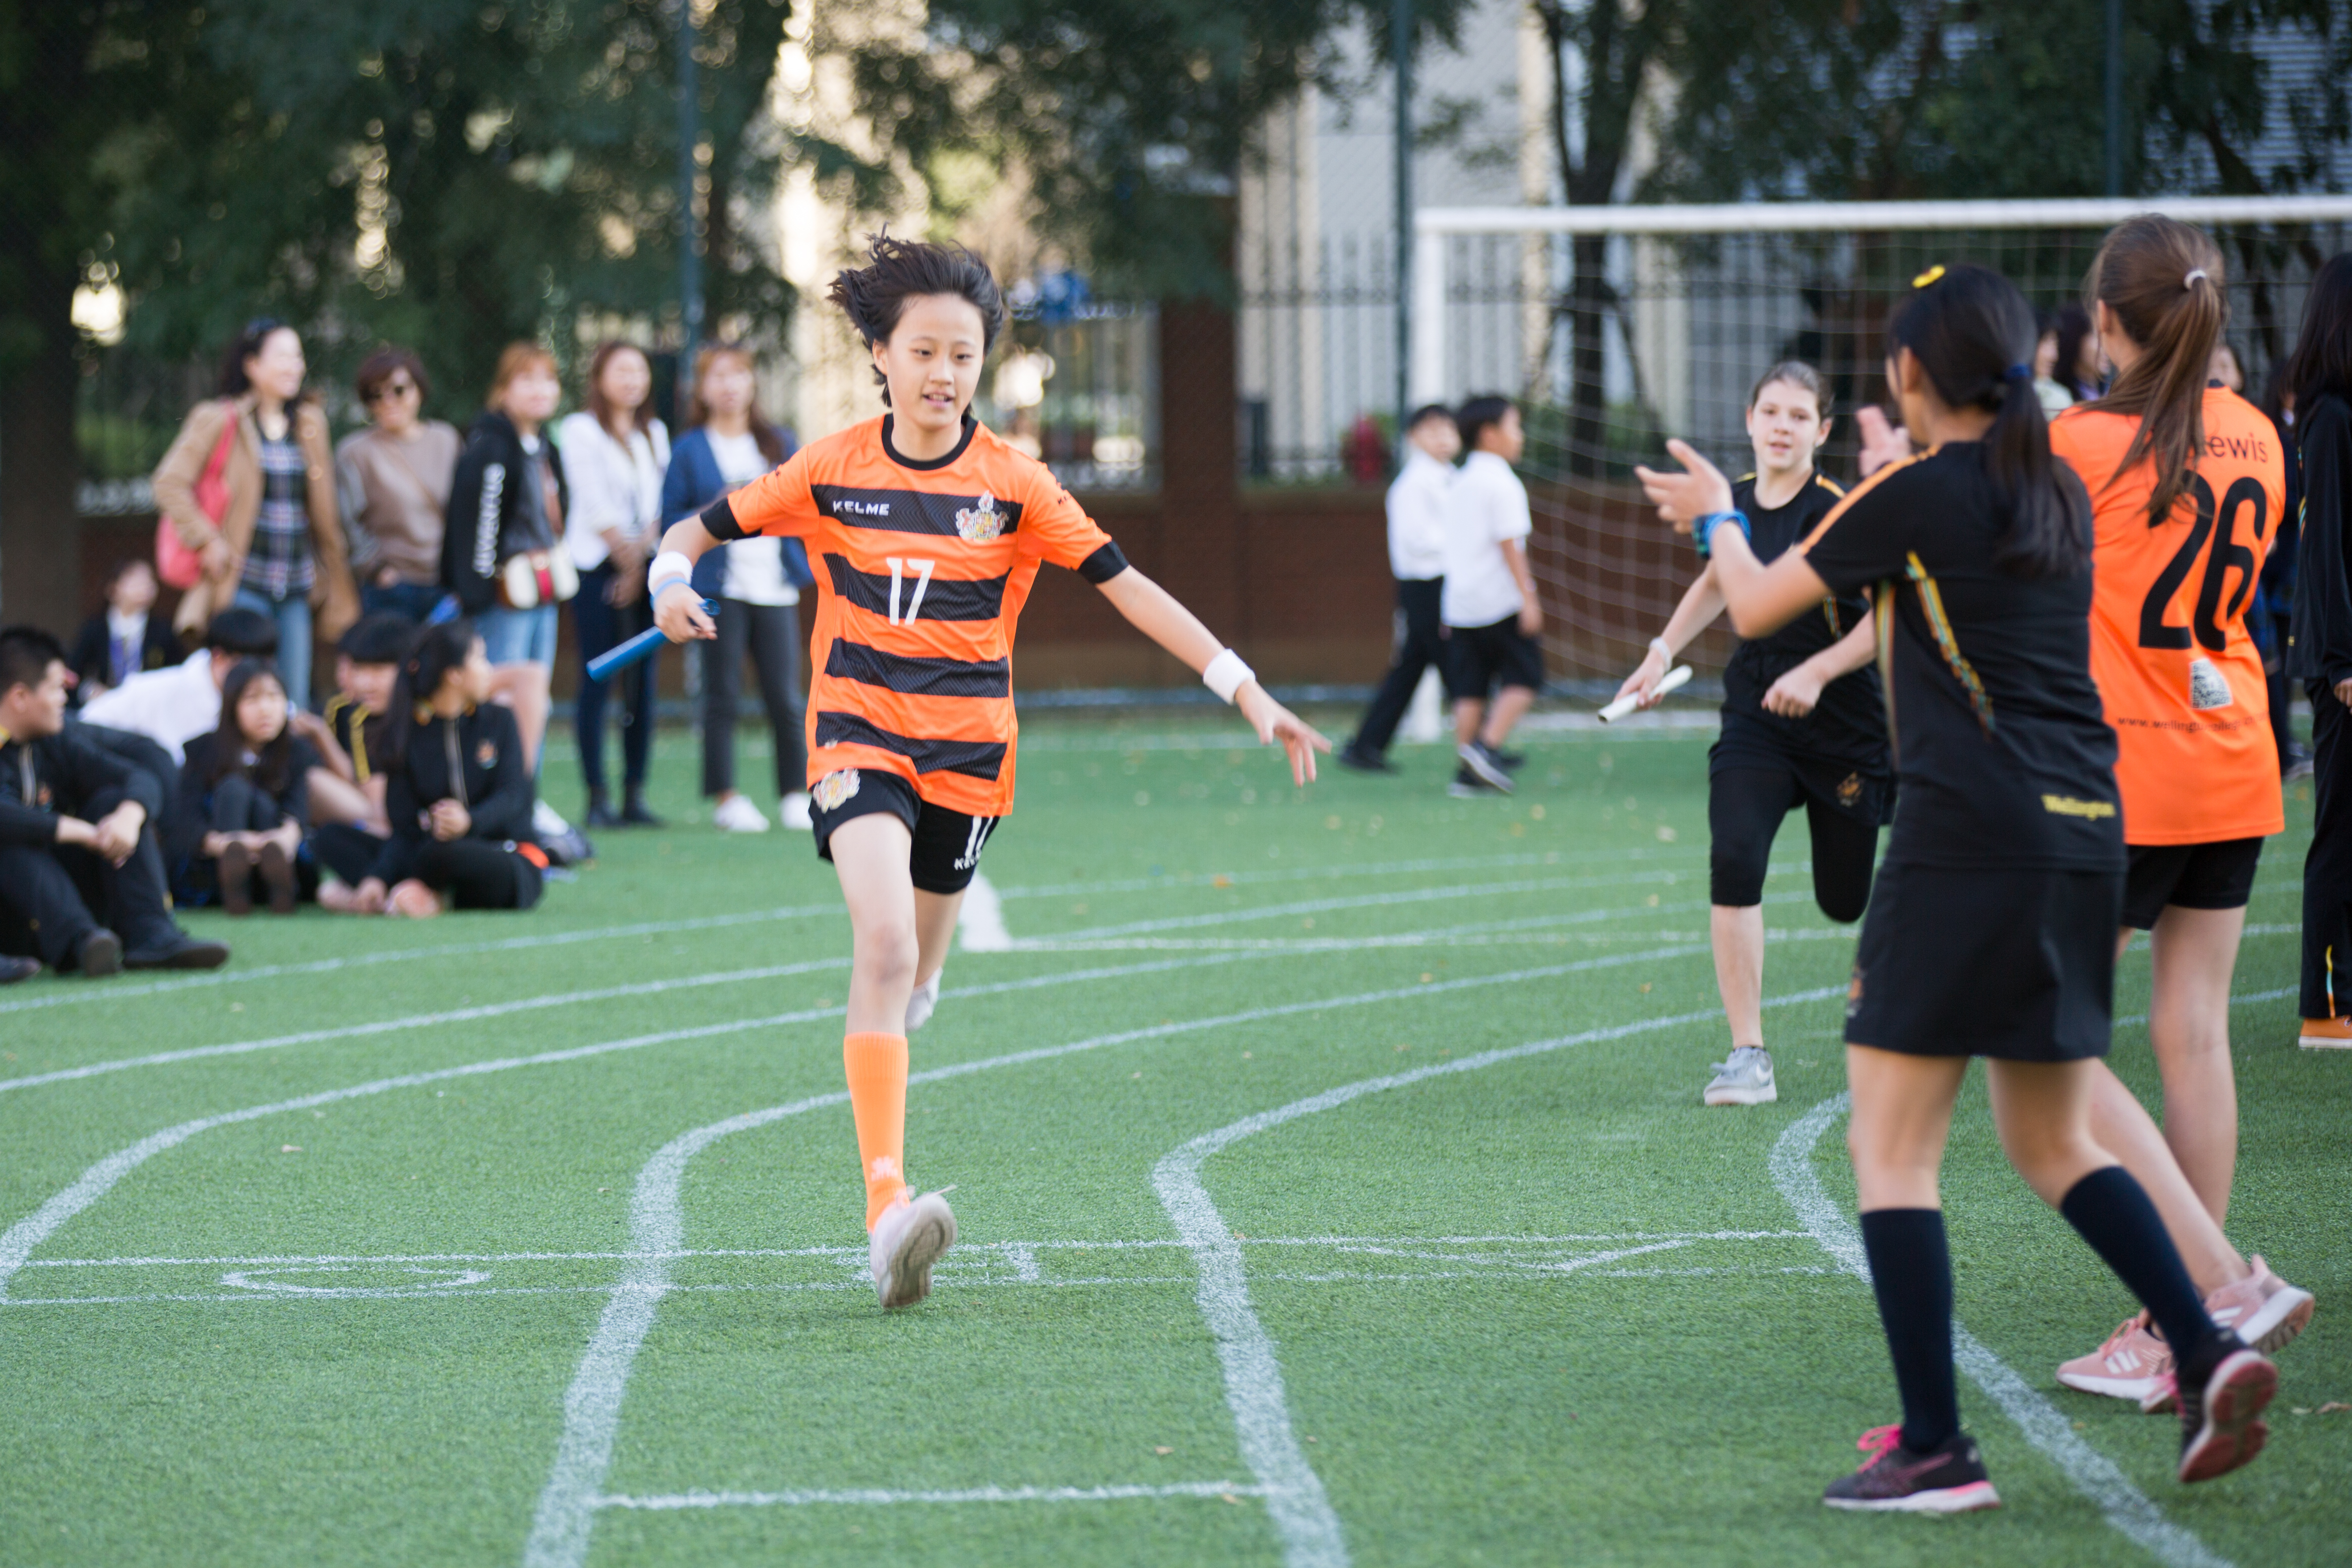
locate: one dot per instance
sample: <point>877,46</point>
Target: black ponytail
<point>1974,335</point>
<point>436,651</point>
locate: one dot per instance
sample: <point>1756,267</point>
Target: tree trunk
<point>40,560</point>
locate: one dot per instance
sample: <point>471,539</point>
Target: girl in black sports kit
<point>1991,932</point>
<point>1803,725</point>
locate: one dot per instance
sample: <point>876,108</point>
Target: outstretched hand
<point>1881,442</point>
<point>1275,722</point>
<point>1683,498</point>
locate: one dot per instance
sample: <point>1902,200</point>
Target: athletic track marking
<point>2090,1472</point>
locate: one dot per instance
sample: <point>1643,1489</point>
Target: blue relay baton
<point>606,665</point>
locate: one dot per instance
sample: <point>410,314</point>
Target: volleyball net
<point>1617,327</point>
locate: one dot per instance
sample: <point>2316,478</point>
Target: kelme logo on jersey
<point>2207,687</point>
<point>981,524</point>
<point>834,789</point>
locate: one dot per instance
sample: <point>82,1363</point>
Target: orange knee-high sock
<point>876,1066</point>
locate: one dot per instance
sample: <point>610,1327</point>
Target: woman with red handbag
<point>500,554</point>
<point>248,488</point>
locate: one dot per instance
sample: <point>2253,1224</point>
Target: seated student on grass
<point>244,792</point>
<point>929,531</point>
<point>173,706</point>
<point>348,825</point>
<point>81,870</point>
<point>458,790</point>
<point>125,638</point>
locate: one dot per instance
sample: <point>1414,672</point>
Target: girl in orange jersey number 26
<point>928,530</point>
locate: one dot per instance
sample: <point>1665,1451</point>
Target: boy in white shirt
<point>1418,524</point>
<point>1492,615</point>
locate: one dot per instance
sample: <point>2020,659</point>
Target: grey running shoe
<point>1485,765</point>
<point>1745,1079</point>
<point>1466,787</point>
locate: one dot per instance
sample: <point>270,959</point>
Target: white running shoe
<point>925,1002</point>
<point>1745,1079</point>
<point>792,812</point>
<point>736,814</point>
<point>908,1239</point>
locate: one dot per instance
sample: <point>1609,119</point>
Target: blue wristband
<point>1705,531</point>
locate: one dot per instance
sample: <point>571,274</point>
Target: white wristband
<point>668,567</point>
<point>1658,646</point>
<point>1225,675</point>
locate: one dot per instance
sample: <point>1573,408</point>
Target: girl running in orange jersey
<point>2187,486</point>
<point>927,532</point>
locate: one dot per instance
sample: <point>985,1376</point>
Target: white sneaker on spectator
<point>736,814</point>
<point>546,821</point>
<point>792,812</point>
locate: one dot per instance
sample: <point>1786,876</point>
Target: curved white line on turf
<point>2092,1473</point>
<point>403,955</point>
<point>565,1517</point>
<point>420,1020</point>
<point>17,1245</point>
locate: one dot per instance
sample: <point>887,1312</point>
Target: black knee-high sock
<point>2114,1214</point>
<point>1911,1269</point>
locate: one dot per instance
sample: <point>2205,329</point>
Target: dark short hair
<point>26,655</point>
<point>874,296</point>
<point>247,633</point>
<point>1426,412</point>
<point>378,368</point>
<point>383,638</point>
<point>1476,414</point>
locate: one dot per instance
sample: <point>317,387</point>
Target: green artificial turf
<point>1481,1362</point>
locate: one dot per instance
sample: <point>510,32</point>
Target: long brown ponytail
<point>2163,281</point>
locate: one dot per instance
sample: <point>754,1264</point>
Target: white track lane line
<point>1363,901</point>
<point>2090,1472</point>
<point>565,1517</point>
<point>967,1494</point>
<point>18,1243</point>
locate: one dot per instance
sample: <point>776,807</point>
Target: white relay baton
<point>1677,677</point>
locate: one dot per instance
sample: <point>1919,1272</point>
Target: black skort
<point>1480,658</point>
<point>2219,875</point>
<point>945,852</point>
<point>2009,962</point>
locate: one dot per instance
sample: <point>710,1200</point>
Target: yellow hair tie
<point>1928,276</point>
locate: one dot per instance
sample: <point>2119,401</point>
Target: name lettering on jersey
<point>2067,806</point>
<point>2244,448</point>
<point>975,519</point>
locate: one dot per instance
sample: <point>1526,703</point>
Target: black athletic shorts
<point>2006,962</point>
<point>948,844</point>
<point>1479,658</point>
<point>2219,875</point>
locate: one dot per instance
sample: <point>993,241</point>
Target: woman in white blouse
<point>614,455</point>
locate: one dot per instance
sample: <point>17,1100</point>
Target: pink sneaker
<point>2134,1362</point>
<point>2262,1309</point>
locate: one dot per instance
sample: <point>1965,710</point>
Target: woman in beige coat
<point>277,544</point>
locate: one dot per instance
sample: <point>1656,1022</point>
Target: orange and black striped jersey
<point>2181,678</point>
<point>922,569</point>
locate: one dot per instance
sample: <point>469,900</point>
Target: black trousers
<point>1419,647</point>
<point>1744,810</point>
<point>52,895</point>
<point>345,850</point>
<point>241,806</point>
<point>481,875</point>
<point>2327,866</point>
<point>771,634</point>
<point>603,627</point>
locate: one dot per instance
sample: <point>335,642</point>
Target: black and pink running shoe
<point>2220,1412</point>
<point>1947,1479</point>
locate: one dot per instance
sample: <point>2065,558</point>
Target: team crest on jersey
<point>834,789</point>
<point>487,754</point>
<point>1849,790</point>
<point>1854,993</point>
<point>983,523</point>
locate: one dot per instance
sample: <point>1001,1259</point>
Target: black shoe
<point>14,969</point>
<point>1365,761</point>
<point>278,876</point>
<point>185,952</point>
<point>235,873</point>
<point>633,813</point>
<point>600,811</point>
<point>2222,1409</point>
<point>1484,766</point>
<point>1468,786</point>
<point>1512,761</point>
<point>1948,1478</point>
<point>100,955</point>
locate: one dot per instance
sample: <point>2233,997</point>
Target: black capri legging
<point>1744,807</point>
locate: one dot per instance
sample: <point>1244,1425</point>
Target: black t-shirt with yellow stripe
<point>2000,744</point>
<point>1849,723</point>
<point>360,732</point>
